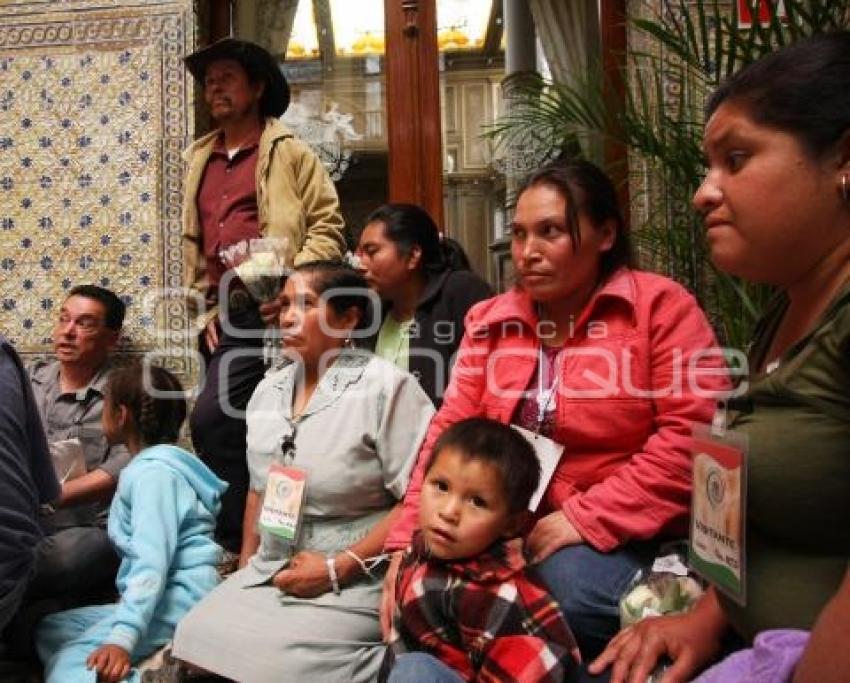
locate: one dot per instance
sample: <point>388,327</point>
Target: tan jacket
<point>296,199</point>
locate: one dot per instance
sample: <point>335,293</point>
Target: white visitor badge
<point>549,454</point>
<point>283,501</point>
<point>717,547</point>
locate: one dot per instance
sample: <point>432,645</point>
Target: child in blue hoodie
<point>161,521</point>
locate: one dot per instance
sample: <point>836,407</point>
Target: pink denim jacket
<point>641,366</point>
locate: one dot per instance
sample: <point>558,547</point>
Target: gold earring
<point>845,188</point>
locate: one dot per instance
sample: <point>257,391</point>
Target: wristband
<point>367,565</point>
<point>331,563</point>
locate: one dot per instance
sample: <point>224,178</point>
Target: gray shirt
<point>357,438</point>
<point>77,414</point>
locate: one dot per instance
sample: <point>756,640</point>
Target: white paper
<point>548,454</point>
<point>69,460</point>
<point>671,564</point>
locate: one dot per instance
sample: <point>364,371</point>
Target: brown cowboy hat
<point>257,61</point>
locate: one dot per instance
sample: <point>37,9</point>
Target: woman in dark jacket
<point>426,288</point>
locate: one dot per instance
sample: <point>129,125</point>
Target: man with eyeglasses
<point>76,558</point>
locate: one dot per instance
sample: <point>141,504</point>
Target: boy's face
<point>462,508</point>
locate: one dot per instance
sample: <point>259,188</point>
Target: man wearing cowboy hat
<point>249,178</point>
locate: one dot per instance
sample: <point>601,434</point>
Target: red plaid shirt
<point>486,617</point>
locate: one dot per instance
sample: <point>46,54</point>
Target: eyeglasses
<point>85,324</point>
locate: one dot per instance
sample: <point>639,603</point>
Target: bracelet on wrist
<point>332,575</point>
<point>369,564</point>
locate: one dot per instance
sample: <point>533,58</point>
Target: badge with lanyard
<point>283,502</point>
<point>548,451</point>
<point>717,544</point>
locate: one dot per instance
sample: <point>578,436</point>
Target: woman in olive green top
<point>776,206</point>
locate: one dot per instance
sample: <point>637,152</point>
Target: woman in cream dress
<point>308,610</point>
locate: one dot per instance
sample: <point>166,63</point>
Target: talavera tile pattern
<point>95,108</point>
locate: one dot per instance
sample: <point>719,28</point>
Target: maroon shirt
<point>227,202</point>
<point>527,412</point>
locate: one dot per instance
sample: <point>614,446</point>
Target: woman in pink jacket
<point>612,364</point>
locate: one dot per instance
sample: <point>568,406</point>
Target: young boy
<point>466,608</point>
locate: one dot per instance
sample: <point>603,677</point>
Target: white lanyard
<point>544,396</point>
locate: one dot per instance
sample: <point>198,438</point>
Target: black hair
<point>349,288</point>
<point>587,190</point>
<point>157,418</point>
<point>113,307</point>
<point>802,89</point>
<point>408,226</point>
<point>479,438</point>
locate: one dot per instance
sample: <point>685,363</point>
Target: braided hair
<point>154,397</point>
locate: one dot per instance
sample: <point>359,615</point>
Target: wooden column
<point>219,19</point>
<point>413,105</point>
<point>520,53</point>
<point>612,20</point>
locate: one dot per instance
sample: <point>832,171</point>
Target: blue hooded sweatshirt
<point>162,521</point>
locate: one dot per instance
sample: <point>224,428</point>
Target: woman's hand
<point>690,640</point>
<point>306,576</point>
<point>388,595</point>
<point>551,533</point>
<point>110,662</point>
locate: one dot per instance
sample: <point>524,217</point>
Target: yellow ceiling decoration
<point>358,28</point>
